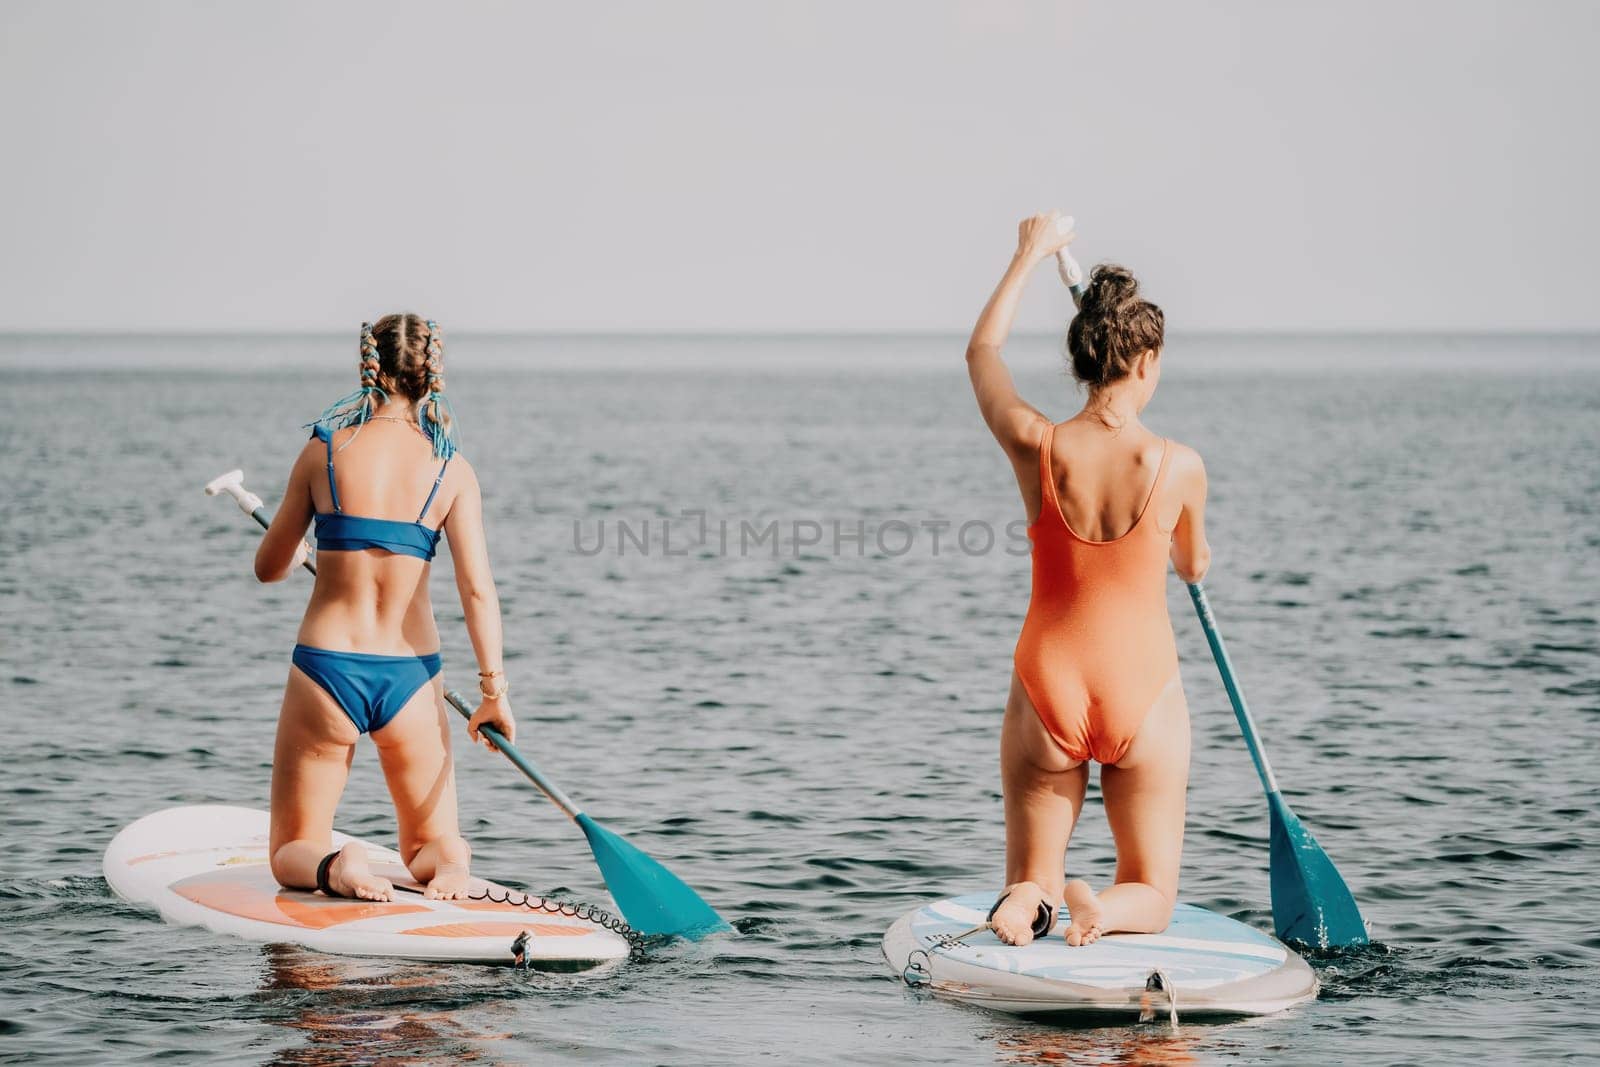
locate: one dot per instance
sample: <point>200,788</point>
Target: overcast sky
<point>793,167</point>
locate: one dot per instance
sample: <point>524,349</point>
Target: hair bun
<point>1111,288</point>
<point>1114,324</point>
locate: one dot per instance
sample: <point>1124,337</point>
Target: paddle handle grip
<point>1071,276</point>
<point>1241,710</point>
<point>1067,267</point>
<point>232,484</point>
<point>522,763</point>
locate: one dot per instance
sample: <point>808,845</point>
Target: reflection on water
<point>369,1007</point>
<point>1101,1046</point>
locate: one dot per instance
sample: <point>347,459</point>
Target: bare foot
<point>1013,921</point>
<point>1084,908</point>
<point>450,879</point>
<point>350,876</point>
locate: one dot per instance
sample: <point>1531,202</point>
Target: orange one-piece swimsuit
<point>1096,648</point>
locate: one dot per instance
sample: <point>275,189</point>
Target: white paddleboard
<point>1208,964</point>
<point>207,866</point>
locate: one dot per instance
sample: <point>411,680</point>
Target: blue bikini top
<point>338,532</point>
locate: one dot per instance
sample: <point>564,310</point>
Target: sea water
<point>802,720</point>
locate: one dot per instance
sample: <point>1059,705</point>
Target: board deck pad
<point>207,866</point>
<point>1213,964</point>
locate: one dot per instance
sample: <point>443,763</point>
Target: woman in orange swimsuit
<point>1096,670</point>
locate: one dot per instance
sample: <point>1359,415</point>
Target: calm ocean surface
<point>1406,535</point>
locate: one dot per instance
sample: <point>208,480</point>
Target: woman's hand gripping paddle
<point>1310,902</point>
<point>651,898</point>
<point>232,483</point>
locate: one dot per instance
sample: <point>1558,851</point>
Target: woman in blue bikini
<point>367,657</point>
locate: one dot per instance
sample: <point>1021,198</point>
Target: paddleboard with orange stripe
<point>207,866</point>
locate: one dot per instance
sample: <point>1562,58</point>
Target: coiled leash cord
<point>548,906</point>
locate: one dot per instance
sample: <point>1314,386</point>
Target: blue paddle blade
<point>1310,902</point>
<point>650,897</point>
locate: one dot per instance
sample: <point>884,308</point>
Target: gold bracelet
<point>505,687</point>
<point>489,674</point>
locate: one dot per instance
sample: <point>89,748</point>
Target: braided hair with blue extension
<point>434,414</point>
<point>400,355</point>
<point>352,409</point>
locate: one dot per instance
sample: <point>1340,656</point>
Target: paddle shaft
<point>1241,710</point>
<point>523,764</point>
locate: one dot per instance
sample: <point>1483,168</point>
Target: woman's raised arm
<point>1015,423</point>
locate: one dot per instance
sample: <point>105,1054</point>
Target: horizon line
<point>1247,332</point>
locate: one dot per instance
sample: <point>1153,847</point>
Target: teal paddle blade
<point>650,897</point>
<point>1310,902</point>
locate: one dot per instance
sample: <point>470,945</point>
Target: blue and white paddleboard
<point>1203,964</point>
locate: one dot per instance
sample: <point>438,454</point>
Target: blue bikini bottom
<point>371,689</point>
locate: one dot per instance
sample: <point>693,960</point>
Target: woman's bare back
<point>371,599</point>
<point>1104,479</point>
